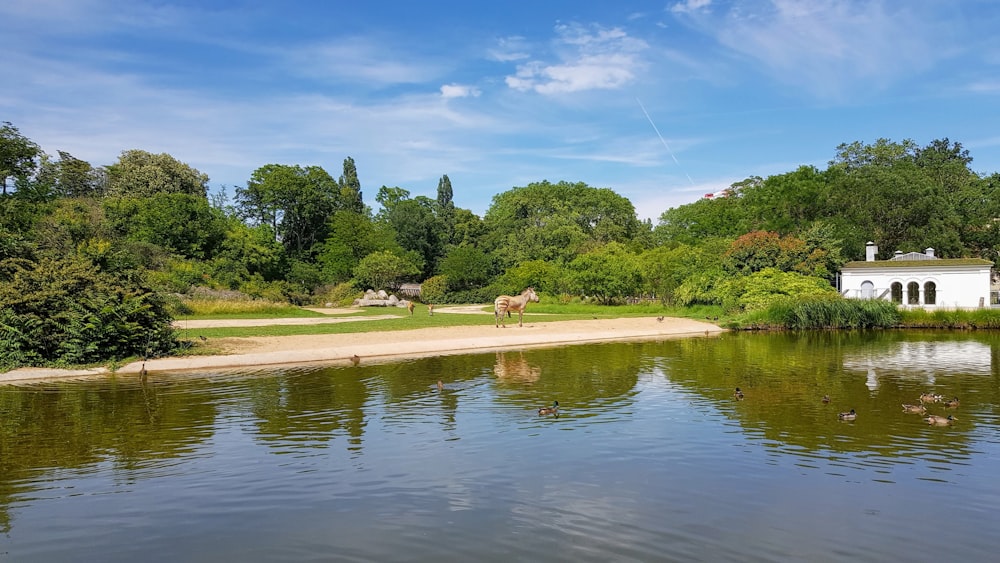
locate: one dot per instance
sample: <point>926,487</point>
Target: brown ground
<point>381,346</point>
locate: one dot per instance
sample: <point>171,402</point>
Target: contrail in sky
<point>662,140</point>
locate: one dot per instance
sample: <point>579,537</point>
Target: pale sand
<point>382,346</point>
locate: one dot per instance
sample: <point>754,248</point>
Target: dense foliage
<point>116,236</point>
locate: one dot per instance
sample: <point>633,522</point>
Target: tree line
<point>88,253</point>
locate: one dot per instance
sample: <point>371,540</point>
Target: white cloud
<point>459,91</point>
<point>590,58</point>
<point>688,6</point>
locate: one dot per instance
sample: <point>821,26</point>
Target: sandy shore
<point>383,346</point>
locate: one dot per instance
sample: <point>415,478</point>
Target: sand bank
<point>385,346</point>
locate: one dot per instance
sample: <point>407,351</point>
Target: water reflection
<point>649,434</point>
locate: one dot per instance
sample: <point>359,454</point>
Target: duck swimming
<point>951,403</point>
<point>738,394</point>
<point>940,420</point>
<point>554,409</point>
<point>825,399</point>
<point>849,415</point>
<point>930,398</point>
<point>916,409</point>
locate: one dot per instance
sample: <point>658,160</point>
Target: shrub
<point>65,311</point>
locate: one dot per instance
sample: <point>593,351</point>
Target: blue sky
<point>660,101</point>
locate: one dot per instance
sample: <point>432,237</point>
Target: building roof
<point>916,264</point>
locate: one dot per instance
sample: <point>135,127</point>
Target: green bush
<point>434,289</point>
<point>340,295</point>
<point>65,311</point>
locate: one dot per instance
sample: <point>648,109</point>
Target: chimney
<point>929,252</point>
<point>871,251</point>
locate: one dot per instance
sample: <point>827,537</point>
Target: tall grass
<point>235,309</point>
<point>824,313</point>
<point>952,318</point>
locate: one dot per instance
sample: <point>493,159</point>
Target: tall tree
<point>141,174</point>
<point>17,155</point>
<point>295,201</point>
<point>350,188</point>
<point>446,208</point>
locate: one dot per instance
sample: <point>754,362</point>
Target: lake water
<point>651,458</point>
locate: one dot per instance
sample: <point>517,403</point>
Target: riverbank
<point>366,347</point>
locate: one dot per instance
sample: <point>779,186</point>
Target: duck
<point>825,399</point>
<point>554,409</point>
<point>440,385</point>
<point>940,420</point>
<point>849,415</point>
<point>355,359</point>
<point>951,403</point>
<point>659,319</point>
<point>738,394</point>
<point>917,409</point>
<point>930,398</point>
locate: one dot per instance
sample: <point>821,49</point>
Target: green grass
<point>537,313</point>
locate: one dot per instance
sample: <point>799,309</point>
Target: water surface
<point>651,458</point>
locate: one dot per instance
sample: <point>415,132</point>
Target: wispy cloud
<point>509,49</point>
<point>590,58</point>
<point>830,48</point>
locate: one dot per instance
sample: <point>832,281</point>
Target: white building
<point>919,280</point>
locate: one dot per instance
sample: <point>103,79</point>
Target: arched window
<point>930,293</point>
<point>867,290</point>
<point>896,290</point>
<point>913,293</point>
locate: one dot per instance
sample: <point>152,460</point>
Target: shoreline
<point>375,347</point>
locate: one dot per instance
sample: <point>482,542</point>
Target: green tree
<point>182,223</point>
<point>352,236</point>
<point>385,270</point>
<point>702,219</point>
<point>466,268</point>
<point>446,209</point>
<point>350,188</point>
<point>248,252</point>
<point>296,202</point>
<point>17,155</point>
<point>608,273</point>
<point>141,174</point>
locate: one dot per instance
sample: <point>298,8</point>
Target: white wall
<point>959,287</point>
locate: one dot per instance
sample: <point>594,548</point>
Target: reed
<point>826,313</point>
<point>951,318</point>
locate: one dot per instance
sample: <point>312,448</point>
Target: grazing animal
<point>409,307</point>
<point>506,304</point>
<point>430,309</point>
<point>825,399</point>
<point>940,420</point>
<point>930,398</point>
<point>849,415</point>
<point>738,394</point>
<point>915,409</point>
<point>951,403</point>
<point>554,409</point>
